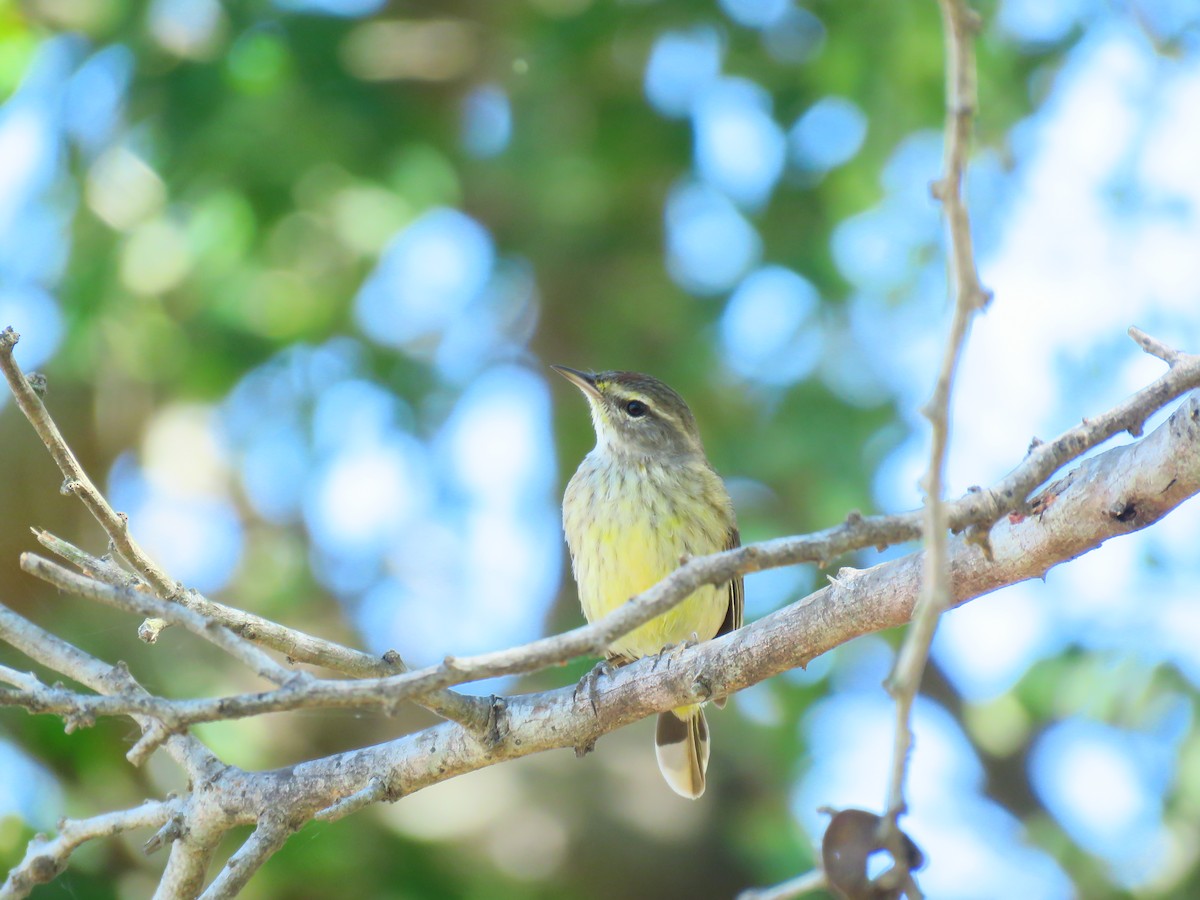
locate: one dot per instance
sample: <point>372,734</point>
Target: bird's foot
<point>672,652</point>
<point>588,684</point>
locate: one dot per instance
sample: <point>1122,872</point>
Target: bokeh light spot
<point>426,278</point>
<point>710,245</point>
<point>739,148</point>
<point>768,332</point>
<point>681,66</point>
<point>829,134</point>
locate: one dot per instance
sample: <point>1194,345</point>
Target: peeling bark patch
<point>1043,502</point>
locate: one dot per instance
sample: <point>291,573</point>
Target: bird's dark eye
<point>636,408</point>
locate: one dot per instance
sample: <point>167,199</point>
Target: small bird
<point>642,499</point>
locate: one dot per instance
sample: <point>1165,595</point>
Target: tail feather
<point>681,745</point>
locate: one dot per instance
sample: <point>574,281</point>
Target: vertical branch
<point>191,854</point>
<point>960,24</point>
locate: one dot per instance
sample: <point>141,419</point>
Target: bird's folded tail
<point>681,745</point>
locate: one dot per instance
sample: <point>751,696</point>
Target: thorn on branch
<point>844,576</point>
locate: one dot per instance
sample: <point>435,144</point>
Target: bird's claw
<point>588,683</point>
<point>672,652</point>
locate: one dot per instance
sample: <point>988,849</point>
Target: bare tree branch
<point>377,790</point>
<point>145,604</point>
<point>46,859</point>
<point>386,693</point>
<point>1155,347</point>
<point>54,653</point>
<point>959,25</point>
<point>298,646</point>
<point>1114,493</point>
<point>267,838</point>
<point>192,851</point>
<point>115,524</point>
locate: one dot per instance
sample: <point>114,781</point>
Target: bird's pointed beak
<point>581,380</point>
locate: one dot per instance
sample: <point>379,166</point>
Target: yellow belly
<point>627,531</point>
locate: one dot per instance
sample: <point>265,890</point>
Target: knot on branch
<point>44,867</point>
<point>37,383</point>
<point>1123,511</point>
<point>8,339</point>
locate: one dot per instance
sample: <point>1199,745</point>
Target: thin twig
<point>376,790</point>
<point>297,645</point>
<point>970,297</point>
<point>443,702</point>
<point>46,858</point>
<point>192,852</point>
<point>262,844</point>
<point>54,653</point>
<point>115,524</point>
<point>1154,346</point>
<point>144,604</point>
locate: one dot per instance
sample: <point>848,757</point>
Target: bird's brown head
<point>637,415</point>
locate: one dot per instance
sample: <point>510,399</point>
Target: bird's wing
<point>737,591</point>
